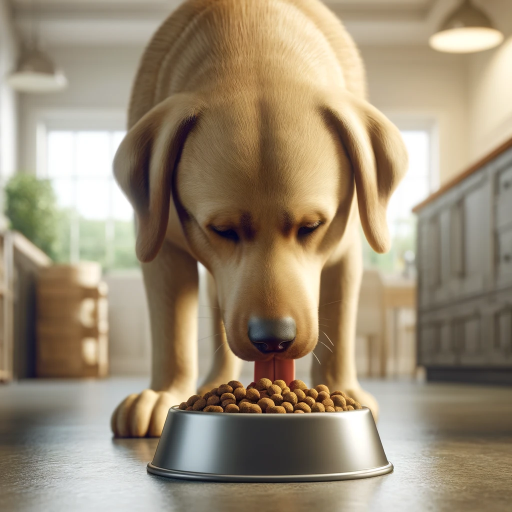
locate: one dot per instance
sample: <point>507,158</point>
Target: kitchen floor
<point>451,446</point>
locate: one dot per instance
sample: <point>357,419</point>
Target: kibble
<point>274,390</point>
<point>263,384</point>
<point>267,397</point>
<point>288,406</point>
<point>280,383</point>
<point>225,388</point>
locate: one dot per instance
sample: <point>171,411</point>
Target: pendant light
<point>36,72</point>
<point>467,29</point>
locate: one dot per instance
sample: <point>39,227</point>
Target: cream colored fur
<point>251,115</point>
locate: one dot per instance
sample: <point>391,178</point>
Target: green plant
<point>32,210</point>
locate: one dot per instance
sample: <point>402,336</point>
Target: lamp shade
<point>36,73</point>
<point>466,30</point>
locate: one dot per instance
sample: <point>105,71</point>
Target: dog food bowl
<point>269,447</point>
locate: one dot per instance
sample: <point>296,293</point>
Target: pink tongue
<point>283,369</point>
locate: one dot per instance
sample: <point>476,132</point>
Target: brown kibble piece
<point>309,400</point>
<point>285,390</point>
<point>287,406</point>
<point>189,409</point>
<point>263,394</point>
<point>313,393</point>
<point>290,397</point>
<point>199,405</point>
<point>227,396</point>
<point>225,388</point>
<point>253,395</point>
<point>239,393</point>
<point>207,395</point>
<point>299,411</point>
<point>350,408</point>
<point>213,408</point>
<point>297,384</point>
<point>183,406</point>
<point>232,408</point>
<point>300,394</point>
<point>350,401</point>
<point>214,391</point>
<point>263,384</point>
<point>244,401</point>
<point>337,392</point>
<point>301,406</point>
<point>322,395</point>
<point>338,409</point>
<point>357,405</point>
<point>274,390</point>
<point>213,400</point>
<point>318,407</point>
<point>235,384</point>
<point>265,402</point>
<point>248,407</point>
<point>338,400</point>
<point>329,409</point>
<point>322,387</point>
<point>225,403</point>
<point>280,383</point>
<point>276,409</point>
<point>328,403</point>
<point>277,399</point>
<point>193,399</point>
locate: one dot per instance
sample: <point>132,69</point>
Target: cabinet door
<point>476,240</point>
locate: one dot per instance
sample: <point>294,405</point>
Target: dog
<point>252,149</point>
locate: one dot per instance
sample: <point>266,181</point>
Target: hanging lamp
<point>467,29</point>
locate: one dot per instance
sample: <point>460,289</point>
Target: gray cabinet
<point>464,255</point>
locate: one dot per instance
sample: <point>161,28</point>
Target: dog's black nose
<point>272,334</point>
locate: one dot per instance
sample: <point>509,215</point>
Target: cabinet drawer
<point>504,254</point>
<point>505,181</point>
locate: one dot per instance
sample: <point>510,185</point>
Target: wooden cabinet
<point>464,254</point>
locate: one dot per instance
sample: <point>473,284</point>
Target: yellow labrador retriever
<point>251,149</point>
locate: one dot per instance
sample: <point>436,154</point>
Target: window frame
<point>73,120</point>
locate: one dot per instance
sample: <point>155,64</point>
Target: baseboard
<point>495,376</point>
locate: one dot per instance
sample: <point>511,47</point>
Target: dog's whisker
<point>211,307</point>
<point>328,303</point>
<point>326,346</point>
<point>325,334</point>
<point>323,325</point>
<point>211,336</point>
<point>219,347</point>
<point>316,357</point>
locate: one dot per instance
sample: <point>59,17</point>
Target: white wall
<point>8,98</point>
<point>490,88</point>
<point>414,83</point>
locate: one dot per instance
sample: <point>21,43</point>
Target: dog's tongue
<point>283,369</point>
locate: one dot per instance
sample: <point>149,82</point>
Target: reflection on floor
<point>450,444</point>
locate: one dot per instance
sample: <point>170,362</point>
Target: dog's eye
<point>230,234</point>
<point>308,229</point>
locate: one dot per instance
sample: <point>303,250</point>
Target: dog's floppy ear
<point>145,162</point>
<point>378,156</point>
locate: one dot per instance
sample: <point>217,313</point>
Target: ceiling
<point>132,22</point>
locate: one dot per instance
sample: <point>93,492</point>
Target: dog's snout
<point>272,334</point>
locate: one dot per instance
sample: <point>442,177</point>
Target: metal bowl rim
<point>176,408</point>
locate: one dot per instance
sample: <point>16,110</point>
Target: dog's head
<point>265,190</point>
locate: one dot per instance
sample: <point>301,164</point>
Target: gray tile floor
<point>451,446</point>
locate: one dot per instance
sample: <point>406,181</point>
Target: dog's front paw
<point>144,414</point>
<point>365,399</point>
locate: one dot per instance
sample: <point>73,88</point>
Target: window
<point>96,218</point>
<point>412,190</point>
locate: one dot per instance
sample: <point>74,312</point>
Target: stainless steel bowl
<point>269,448</point>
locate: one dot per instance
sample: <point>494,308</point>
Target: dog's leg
<point>339,296</point>
<point>171,283</point>
<point>226,366</point>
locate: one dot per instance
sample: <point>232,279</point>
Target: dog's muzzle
<point>272,334</point>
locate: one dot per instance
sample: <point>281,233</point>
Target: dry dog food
<point>270,397</point>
